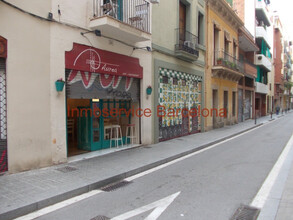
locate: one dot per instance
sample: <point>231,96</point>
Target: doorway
<point>215,107</point>
<point>89,124</point>
<point>182,22</point>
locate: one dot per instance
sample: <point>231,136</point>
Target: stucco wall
<point>36,59</point>
<point>213,83</point>
<point>166,21</point>
<point>28,91</point>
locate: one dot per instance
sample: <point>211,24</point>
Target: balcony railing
<point>186,42</point>
<point>133,12</point>
<point>226,60</point>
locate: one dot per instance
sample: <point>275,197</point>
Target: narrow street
<point>209,185</point>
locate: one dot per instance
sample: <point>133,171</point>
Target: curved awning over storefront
<point>92,73</point>
<point>93,60</point>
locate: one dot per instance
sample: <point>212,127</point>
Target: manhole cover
<point>100,217</point>
<point>66,169</point>
<point>115,186</point>
<point>245,212</point>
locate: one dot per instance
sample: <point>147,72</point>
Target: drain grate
<point>115,186</point>
<point>245,212</point>
<point>66,169</point>
<point>100,217</point>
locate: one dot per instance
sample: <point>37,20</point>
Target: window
<point>182,22</point>
<point>200,28</point>
<point>226,44</point>
<point>234,49</point>
<point>216,42</point>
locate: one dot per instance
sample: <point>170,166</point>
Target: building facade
<point>263,59</point>
<point>100,50</point>
<point>248,49</point>
<point>178,44</point>
<point>223,68</point>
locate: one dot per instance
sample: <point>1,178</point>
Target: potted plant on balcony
<point>219,61</point>
<point>233,66</point>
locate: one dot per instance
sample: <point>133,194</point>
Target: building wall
<point>278,52</point>
<point>165,21</point>
<point>28,87</point>
<point>213,83</point>
<point>239,5</point>
<point>36,59</point>
<point>165,18</point>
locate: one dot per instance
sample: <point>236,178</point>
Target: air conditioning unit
<point>155,1</point>
<point>188,44</point>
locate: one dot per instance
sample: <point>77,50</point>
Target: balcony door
<point>182,22</point>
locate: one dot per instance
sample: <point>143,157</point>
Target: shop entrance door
<point>96,125</point>
<point>89,127</point>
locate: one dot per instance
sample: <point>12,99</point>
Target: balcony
<point>246,40</point>
<point>263,61</point>
<point>250,69</point>
<point>262,12</point>
<point>128,21</point>
<point>186,45</point>
<point>261,32</point>
<point>261,88</point>
<point>227,67</point>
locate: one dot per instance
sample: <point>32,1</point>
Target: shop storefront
<point>102,92</point>
<point>179,104</point>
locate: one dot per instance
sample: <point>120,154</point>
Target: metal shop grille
<point>66,169</point>
<point>116,186</point>
<point>245,212</point>
<point>3,118</point>
<point>100,217</point>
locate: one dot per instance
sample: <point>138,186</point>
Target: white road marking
<point>262,195</point>
<point>59,205</point>
<point>159,207</point>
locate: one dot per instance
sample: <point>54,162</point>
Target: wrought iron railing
<point>133,12</point>
<point>223,58</point>
<point>186,41</point>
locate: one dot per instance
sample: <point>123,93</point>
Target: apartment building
<point>223,67</point>
<point>179,50</point>
<point>100,50</point>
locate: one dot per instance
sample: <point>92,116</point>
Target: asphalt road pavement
<point>209,185</point>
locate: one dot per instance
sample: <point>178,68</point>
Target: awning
<point>93,60</point>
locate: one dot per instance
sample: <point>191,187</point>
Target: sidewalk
<point>285,208</point>
<point>29,191</point>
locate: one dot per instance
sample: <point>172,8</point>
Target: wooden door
<point>182,22</point>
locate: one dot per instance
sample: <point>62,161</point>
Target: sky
<point>284,8</point>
